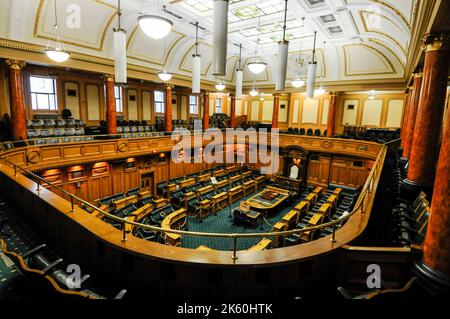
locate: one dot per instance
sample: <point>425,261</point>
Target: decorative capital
<point>335,93</point>
<point>436,42</point>
<point>276,94</point>
<point>168,86</point>
<point>109,77</point>
<point>15,64</point>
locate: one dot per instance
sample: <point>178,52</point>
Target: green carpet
<point>222,223</point>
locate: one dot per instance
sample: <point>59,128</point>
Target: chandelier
<point>57,53</point>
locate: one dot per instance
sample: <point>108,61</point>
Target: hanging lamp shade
<point>298,83</point>
<point>239,80</point>
<point>57,54</point>
<point>283,48</point>
<point>256,67</point>
<point>220,86</point>
<point>253,92</point>
<point>196,66</point>
<point>220,33</point>
<point>312,67</point>
<point>120,56</point>
<point>165,75</point>
<point>155,27</point>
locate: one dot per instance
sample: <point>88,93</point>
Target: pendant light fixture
<point>220,33</point>
<point>57,53</point>
<point>283,50</point>
<point>220,86</point>
<point>299,82</point>
<point>312,67</point>
<point>239,76</point>
<point>196,65</point>
<point>254,92</point>
<point>155,26</point>
<point>164,75</point>
<point>257,66</point>
<point>120,50</point>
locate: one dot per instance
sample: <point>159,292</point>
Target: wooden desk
<point>117,204</point>
<point>205,208</point>
<point>174,220</point>
<point>258,203</point>
<point>235,178</point>
<point>290,219</point>
<point>235,194</point>
<point>278,227</point>
<point>205,189</point>
<point>246,174</point>
<point>221,184</point>
<point>337,191</point>
<point>171,187</point>
<point>144,194</point>
<point>142,212</point>
<point>263,244</point>
<point>332,199</point>
<point>186,182</point>
<point>259,180</point>
<point>160,202</point>
<point>249,187</point>
<point>302,208</point>
<point>311,199</point>
<point>232,168</point>
<point>318,190</point>
<point>203,178</point>
<point>219,198</point>
<point>219,172</point>
<point>315,220</point>
<point>325,209</point>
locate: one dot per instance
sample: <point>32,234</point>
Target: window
<point>193,104</point>
<point>218,105</point>
<point>159,102</point>
<point>43,93</point>
<point>118,95</point>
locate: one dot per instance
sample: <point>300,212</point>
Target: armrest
<point>33,251</point>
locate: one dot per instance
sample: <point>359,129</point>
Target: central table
<point>268,199</point>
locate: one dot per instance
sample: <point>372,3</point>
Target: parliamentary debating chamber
<point>215,150</point>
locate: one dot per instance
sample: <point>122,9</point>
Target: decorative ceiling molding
<point>106,27</point>
<point>389,67</point>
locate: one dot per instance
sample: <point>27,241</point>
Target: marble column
<point>414,104</point>
<point>18,118</point>
<point>436,251</point>
<point>233,111</point>
<point>168,108</point>
<point>276,110</point>
<point>332,113</point>
<point>205,111</point>
<point>406,113</point>
<point>428,127</point>
<point>111,118</point>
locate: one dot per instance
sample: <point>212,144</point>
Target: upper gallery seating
<point>47,127</point>
<point>371,134</point>
<point>409,222</point>
<point>302,131</point>
<point>136,129</point>
<point>219,120</point>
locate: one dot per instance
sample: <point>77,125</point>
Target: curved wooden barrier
<point>178,269</point>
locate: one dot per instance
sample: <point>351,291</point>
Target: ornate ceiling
<point>358,40</point>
